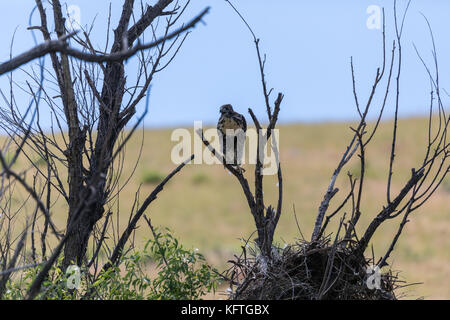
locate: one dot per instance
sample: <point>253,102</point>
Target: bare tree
<point>266,218</point>
<point>322,268</point>
<point>94,101</point>
<point>424,180</point>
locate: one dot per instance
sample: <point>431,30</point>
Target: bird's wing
<point>244,123</point>
<point>220,125</point>
<point>239,118</point>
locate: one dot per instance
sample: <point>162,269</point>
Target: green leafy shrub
<point>182,274</point>
<point>200,178</point>
<point>40,161</point>
<point>152,177</point>
<point>54,287</point>
<point>446,185</point>
<point>8,157</point>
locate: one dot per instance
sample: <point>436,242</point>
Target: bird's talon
<point>240,169</point>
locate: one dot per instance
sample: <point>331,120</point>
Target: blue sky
<point>308,46</point>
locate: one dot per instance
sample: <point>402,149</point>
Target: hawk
<point>231,129</point>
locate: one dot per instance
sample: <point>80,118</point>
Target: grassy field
<point>205,208</point>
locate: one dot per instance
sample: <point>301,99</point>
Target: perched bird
<point>231,128</point>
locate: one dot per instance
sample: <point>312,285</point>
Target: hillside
<point>204,206</point>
